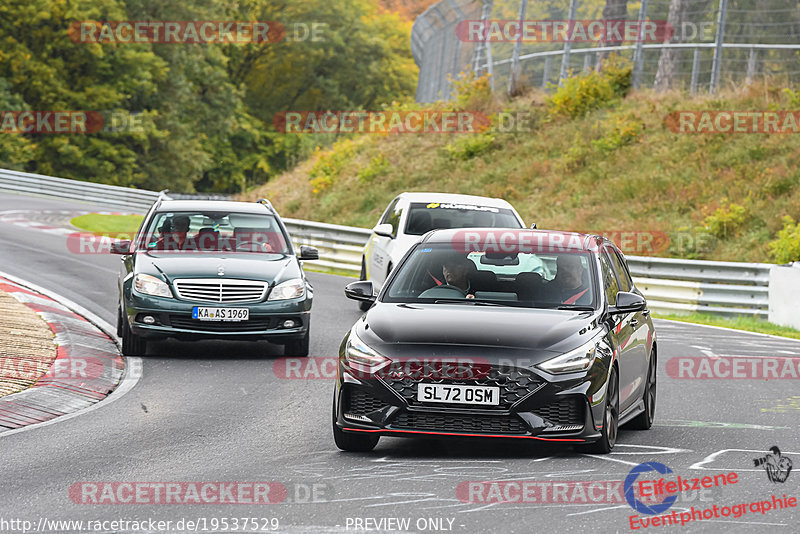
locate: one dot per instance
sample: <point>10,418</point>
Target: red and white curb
<point>87,369</point>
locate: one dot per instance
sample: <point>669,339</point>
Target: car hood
<point>537,330</point>
<point>264,267</point>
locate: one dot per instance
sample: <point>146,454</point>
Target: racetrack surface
<point>206,412</point>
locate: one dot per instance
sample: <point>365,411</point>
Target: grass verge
<point>108,225</point>
<point>749,324</point>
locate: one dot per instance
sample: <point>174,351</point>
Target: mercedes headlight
<point>576,360</point>
<point>150,285</point>
<point>290,289</point>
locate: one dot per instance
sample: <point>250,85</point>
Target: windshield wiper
<point>575,307</point>
<point>468,301</point>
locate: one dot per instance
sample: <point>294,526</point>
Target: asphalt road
<point>218,412</point>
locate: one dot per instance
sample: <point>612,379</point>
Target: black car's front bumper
<point>567,410</point>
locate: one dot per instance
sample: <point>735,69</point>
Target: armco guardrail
<point>671,285</point>
<point>108,195</point>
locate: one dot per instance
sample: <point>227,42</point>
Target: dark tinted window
<point>388,213</point>
<point>423,218</point>
<point>510,278</point>
<point>214,232</point>
<point>625,282</point>
<point>610,285</point>
<point>394,217</point>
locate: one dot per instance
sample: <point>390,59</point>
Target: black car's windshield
<point>441,274</point>
<point>422,218</point>
<point>214,232</point>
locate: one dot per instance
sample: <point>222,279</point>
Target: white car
<point>411,215</point>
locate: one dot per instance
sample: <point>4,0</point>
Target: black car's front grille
<point>471,424</point>
<point>514,383</point>
<point>359,402</point>
<point>562,413</point>
<point>182,322</point>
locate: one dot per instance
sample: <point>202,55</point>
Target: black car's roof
<point>587,241</point>
<point>212,206</point>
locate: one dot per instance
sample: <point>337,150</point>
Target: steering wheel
<point>251,246</point>
<point>447,292</point>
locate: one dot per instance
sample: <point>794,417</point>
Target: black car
<point>213,270</point>
<point>518,334</point>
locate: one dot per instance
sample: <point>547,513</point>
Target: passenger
<point>569,285</point>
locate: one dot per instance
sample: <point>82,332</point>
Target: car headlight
<point>576,360</point>
<point>290,289</point>
<point>150,285</point>
<point>359,354</point>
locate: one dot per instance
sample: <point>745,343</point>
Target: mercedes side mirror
<point>308,253</point>
<point>120,247</point>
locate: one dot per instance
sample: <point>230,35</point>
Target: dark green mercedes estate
<point>213,270</point>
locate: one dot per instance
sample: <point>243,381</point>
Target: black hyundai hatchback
<point>489,333</point>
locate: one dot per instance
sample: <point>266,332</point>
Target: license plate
<point>221,314</point>
<point>455,394</point>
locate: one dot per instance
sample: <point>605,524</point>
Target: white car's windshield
<point>423,218</point>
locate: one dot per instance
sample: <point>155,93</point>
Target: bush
<point>794,98</point>
<point>330,163</point>
<point>786,248</point>
<point>586,92</point>
<point>469,145</point>
<point>469,93</point>
<point>727,220</point>
<point>622,130</point>
<point>376,167</point>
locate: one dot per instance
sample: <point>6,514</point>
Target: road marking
<point>655,449</point>
<point>717,424</point>
<point>599,510</point>
<point>62,257</point>
<point>606,458</point>
<point>713,456</point>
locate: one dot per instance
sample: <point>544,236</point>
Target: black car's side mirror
<point>120,247</point>
<point>627,303</point>
<point>362,291</point>
<point>308,253</point>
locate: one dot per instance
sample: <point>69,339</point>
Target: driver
<point>568,286</point>
<point>175,234</point>
<point>456,273</point>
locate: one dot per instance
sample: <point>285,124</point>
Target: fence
<point>670,285</point>
<point>714,42</point>
<point>108,195</point>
